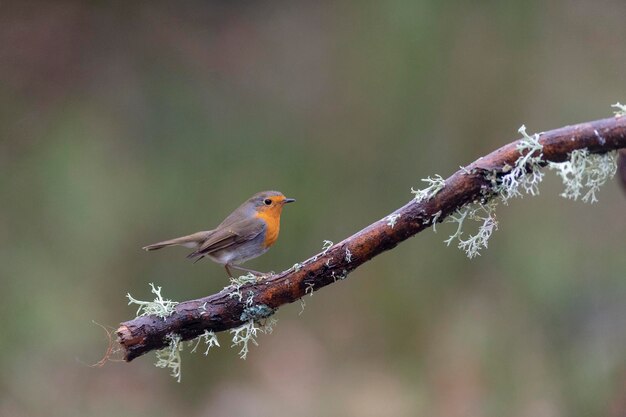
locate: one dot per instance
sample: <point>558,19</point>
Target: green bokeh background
<point>124,124</point>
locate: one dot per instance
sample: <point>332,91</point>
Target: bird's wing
<point>190,241</point>
<point>224,237</point>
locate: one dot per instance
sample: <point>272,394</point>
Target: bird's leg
<point>247,270</point>
<point>230,274</point>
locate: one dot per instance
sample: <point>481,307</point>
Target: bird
<point>246,233</point>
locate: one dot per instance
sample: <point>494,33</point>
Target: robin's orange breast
<point>272,226</point>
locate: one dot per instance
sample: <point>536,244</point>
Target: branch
<point>223,311</point>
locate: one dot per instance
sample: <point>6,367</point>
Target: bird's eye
<point>267,201</point>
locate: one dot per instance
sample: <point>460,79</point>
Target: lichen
<point>484,214</point>
<point>237,283</point>
<point>434,219</point>
<point>210,339</point>
<point>526,175</point>
<point>457,217</point>
<point>169,357</point>
<point>583,171</point>
<point>435,185</point>
<point>521,178</point>
<point>473,245</point>
<point>582,174</point>
<point>250,299</point>
<point>159,307</point>
<point>342,276</point>
<point>621,109</point>
<point>247,333</point>
<point>392,219</point>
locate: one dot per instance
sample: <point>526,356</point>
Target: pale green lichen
<point>392,219</point>
<point>210,340</point>
<point>238,282</point>
<point>159,307</point>
<point>242,280</point>
<point>169,357</point>
<point>434,219</point>
<point>465,170</point>
<point>621,109</point>
<point>250,299</point>
<point>247,333</point>
<point>342,276</point>
<point>526,175</point>
<point>522,178</point>
<point>302,306</point>
<point>582,174</point>
<point>484,214</point>
<point>257,318</point>
<point>585,171</point>
<point>348,256</point>
<point>435,185</point>
<point>457,217</point>
<point>326,245</point>
<point>252,314</point>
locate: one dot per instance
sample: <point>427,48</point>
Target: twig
<point>475,182</point>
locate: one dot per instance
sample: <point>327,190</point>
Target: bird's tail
<point>190,241</point>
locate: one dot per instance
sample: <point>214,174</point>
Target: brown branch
<point>222,311</point>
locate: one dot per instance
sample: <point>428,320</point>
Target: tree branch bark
<point>221,311</point>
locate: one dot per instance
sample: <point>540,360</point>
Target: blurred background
<point>126,123</point>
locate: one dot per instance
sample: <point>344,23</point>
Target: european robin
<point>246,233</point>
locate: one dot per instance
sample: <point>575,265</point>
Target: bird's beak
<point>288,200</point>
